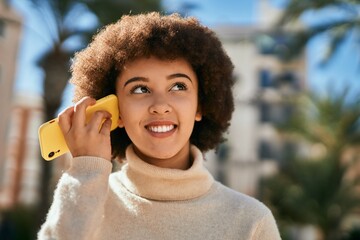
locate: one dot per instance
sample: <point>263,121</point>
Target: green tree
<point>59,18</point>
<point>319,187</point>
<point>337,30</point>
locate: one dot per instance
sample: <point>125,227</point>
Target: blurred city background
<point>294,138</point>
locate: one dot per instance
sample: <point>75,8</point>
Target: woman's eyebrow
<point>136,79</point>
<point>178,75</point>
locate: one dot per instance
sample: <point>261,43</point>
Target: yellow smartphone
<point>52,141</point>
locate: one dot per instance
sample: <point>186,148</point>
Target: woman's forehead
<point>146,64</point>
<point>152,68</point>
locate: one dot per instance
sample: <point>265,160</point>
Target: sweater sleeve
<point>79,198</point>
<point>267,229</point>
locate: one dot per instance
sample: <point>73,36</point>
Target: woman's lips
<point>161,129</point>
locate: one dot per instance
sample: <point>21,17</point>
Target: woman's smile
<point>160,128</point>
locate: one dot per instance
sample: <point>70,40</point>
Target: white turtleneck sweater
<point>142,201</point>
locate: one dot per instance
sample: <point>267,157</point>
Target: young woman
<point>173,81</point>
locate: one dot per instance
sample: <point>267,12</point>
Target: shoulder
<point>246,214</point>
<point>240,203</point>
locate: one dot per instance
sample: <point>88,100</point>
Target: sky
<point>213,12</point>
<point>338,72</point>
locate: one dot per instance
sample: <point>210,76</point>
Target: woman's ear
<point>198,116</point>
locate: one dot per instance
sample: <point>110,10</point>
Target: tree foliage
<point>337,29</point>
<point>319,187</point>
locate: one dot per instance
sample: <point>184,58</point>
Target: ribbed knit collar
<point>165,184</point>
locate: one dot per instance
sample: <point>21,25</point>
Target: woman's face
<point>158,103</point>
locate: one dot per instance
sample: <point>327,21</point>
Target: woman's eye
<point>139,90</point>
<point>179,87</point>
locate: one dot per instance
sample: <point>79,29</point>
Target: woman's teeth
<point>161,129</point>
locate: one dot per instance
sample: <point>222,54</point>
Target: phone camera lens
<point>51,154</point>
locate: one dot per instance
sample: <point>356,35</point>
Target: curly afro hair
<point>167,37</point>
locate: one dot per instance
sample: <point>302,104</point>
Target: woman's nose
<point>160,105</point>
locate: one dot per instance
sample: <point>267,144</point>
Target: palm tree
<point>337,30</point>
<point>60,17</point>
<point>319,188</point>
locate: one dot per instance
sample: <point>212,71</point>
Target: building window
<point>266,150</point>
<point>286,80</point>
<point>2,28</point>
<point>265,78</point>
<point>265,112</point>
<point>275,113</point>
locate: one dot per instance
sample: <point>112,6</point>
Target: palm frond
<point>318,190</point>
<point>337,30</point>
<point>296,8</point>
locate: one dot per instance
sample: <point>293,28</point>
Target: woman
<point>173,81</point>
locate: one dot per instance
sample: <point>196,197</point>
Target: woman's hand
<point>86,139</point>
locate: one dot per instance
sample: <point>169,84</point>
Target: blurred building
<point>10,34</point>
<point>263,87</point>
<point>21,174</point>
